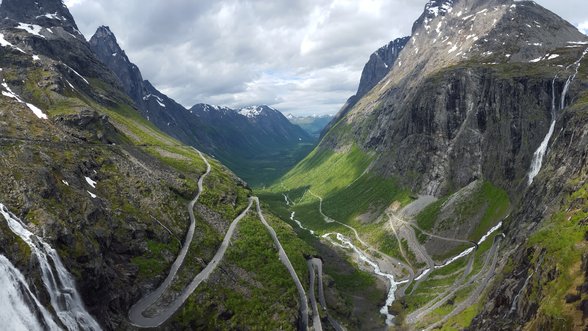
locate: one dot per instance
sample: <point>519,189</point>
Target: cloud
<point>299,56</point>
<point>583,27</point>
<point>302,56</point>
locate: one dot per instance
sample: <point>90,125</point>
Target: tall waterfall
<point>19,308</point>
<point>539,154</point>
<point>65,299</point>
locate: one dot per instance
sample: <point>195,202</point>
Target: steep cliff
<point>377,67</point>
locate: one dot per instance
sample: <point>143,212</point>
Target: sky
<point>299,56</point>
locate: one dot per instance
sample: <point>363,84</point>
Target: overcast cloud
<point>299,56</point>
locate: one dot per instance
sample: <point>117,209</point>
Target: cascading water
<point>19,308</point>
<point>60,285</point>
<point>539,154</point>
<point>346,243</point>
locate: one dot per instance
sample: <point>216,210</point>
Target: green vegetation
<point>263,168</point>
<point>427,218</point>
<point>486,205</point>
<point>325,171</point>
<point>154,264</point>
<point>264,293</point>
<point>564,239</point>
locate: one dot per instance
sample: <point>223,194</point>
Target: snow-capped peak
<point>254,111</point>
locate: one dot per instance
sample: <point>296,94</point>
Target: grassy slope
<point>251,286</point>
<point>564,240</point>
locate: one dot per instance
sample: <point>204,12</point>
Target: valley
<point>449,193</point>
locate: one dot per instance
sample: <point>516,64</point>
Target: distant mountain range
<point>313,124</point>
<point>258,143</point>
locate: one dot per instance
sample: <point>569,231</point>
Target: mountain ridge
<point>232,137</point>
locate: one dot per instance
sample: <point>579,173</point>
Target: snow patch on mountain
<point>158,99</point>
<point>255,111</point>
<point>53,16</point>
<point>31,28</point>
<point>8,93</point>
<point>250,112</point>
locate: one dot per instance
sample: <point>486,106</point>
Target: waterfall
<point>65,299</point>
<point>539,154</point>
<point>19,308</point>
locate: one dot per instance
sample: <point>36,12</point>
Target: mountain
<point>377,67</point>
<point>313,125</point>
<point>464,166</point>
<point>246,140</point>
<point>103,213</point>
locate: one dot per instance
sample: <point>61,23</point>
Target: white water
<point>299,223</point>
<point>346,243</point>
<point>60,285</point>
<point>425,272</point>
<point>471,249</point>
<point>539,154</point>
<point>515,301</point>
<point>19,308</point>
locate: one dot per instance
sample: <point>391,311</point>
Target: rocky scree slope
<point>240,138</point>
<point>470,98</point>
<point>108,190</point>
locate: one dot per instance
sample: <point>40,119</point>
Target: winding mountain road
<point>136,316</point>
<point>484,276</point>
<point>286,261</point>
<point>316,317</point>
<point>136,313</point>
<point>315,268</point>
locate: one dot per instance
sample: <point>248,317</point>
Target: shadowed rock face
<point>105,46</point>
<point>379,65</point>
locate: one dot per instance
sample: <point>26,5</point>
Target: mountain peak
<point>104,39</point>
<point>45,13</point>
<point>105,46</point>
<point>104,31</point>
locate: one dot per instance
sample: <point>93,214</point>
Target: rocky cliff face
<point>233,136</point>
<point>452,85</point>
<point>471,97</point>
<point>106,48</point>
<point>377,67</point>
<point>46,13</point>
